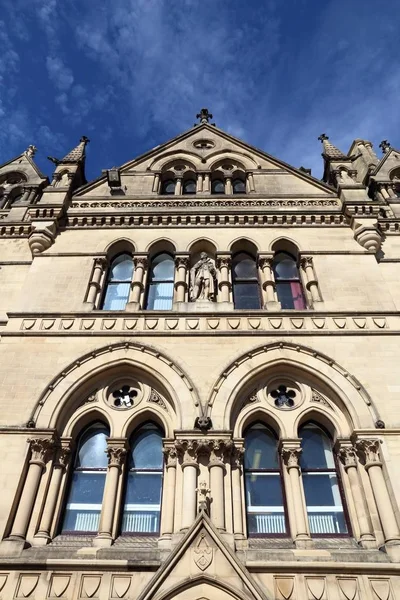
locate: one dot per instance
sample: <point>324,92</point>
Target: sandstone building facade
<point>199,375</point>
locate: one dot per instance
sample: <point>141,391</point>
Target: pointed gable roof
<point>197,551</point>
<point>25,160</point>
<point>78,153</point>
<point>331,152</point>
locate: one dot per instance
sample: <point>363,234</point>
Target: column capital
<point>182,260</point>
<point>223,260</point>
<point>306,261</point>
<point>348,457</point>
<point>41,449</point>
<point>64,453</point>
<point>101,262</point>
<point>265,259</point>
<point>140,260</point>
<point>219,450</point>
<point>237,456</point>
<point>189,450</point>
<point>116,452</point>
<point>368,452</point>
<point>171,455</point>
<point>291,451</point>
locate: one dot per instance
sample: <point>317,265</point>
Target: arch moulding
<point>52,405</point>
<point>315,368</point>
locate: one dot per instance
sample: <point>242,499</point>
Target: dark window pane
<point>189,186</point>
<point>263,490</point>
<point>143,488</point>
<point>239,187</point>
<point>317,449</point>
<point>218,186</point>
<point>246,295</point>
<point>87,488</point>
<point>260,450</point>
<point>117,295</point>
<point>244,267</point>
<point>147,450</point>
<point>92,449</point>
<point>121,268</point>
<point>168,187</point>
<point>285,267</point>
<point>285,296</point>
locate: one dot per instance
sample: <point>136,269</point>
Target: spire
<point>330,151</point>
<point>78,153</point>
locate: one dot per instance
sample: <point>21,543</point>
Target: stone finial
<point>330,151</point>
<point>204,117</point>
<point>323,137</point>
<point>30,151</point>
<point>385,146</point>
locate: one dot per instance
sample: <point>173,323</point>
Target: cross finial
<point>204,116</point>
<point>84,139</point>
<point>323,137</point>
<point>385,146</point>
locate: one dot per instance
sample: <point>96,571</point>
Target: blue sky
<point>131,74</point>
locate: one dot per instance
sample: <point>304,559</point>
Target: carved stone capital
<point>170,457</point>
<point>100,263</point>
<point>223,261</point>
<point>265,261</point>
<point>347,455</point>
<point>237,456</point>
<point>116,456</point>
<point>306,261</point>
<point>182,261</point>
<point>219,450</point>
<point>368,452</point>
<point>189,450</point>
<point>140,261</point>
<point>41,449</point>
<point>64,454</point>
<point>291,457</point>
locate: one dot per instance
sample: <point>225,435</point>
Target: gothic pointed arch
<point>264,369</point>
<point>77,384</point>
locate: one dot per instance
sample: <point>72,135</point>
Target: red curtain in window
<point>297,293</point>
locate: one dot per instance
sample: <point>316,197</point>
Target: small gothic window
<point>168,187</point>
<point>238,186</point>
<point>161,283</point>
<point>85,496</point>
<point>321,483</point>
<point>217,186</point>
<point>246,293</point>
<point>288,284</point>
<point>118,283</point>
<point>266,511</point>
<point>144,482</point>
<point>189,186</point>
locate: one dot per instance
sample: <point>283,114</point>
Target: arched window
<point>238,186</point>
<point>161,283</point>
<point>288,284</point>
<point>144,482</point>
<point>218,186</point>
<point>266,513</point>
<point>168,186</point>
<point>246,293</point>
<point>321,483</point>
<point>118,283</point>
<point>85,496</point>
<point>189,186</point>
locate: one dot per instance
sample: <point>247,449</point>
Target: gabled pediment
<point>204,148</point>
<point>202,560</point>
<point>389,164</point>
<point>25,165</point>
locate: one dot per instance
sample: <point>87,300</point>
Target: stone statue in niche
<point>203,279</point>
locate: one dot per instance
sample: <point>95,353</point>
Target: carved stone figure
<point>203,279</point>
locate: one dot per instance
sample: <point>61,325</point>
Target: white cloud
<point>59,73</point>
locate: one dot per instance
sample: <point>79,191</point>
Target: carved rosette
<point>41,449</point>
<point>170,457</point>
<point>368,452</point>
<point>347,455</point>
<point>291,457</point>
<point>116,456</point>
<point>219,450</point>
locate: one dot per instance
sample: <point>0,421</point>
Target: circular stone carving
<point>123,395</point>
<point>284,394</point>
<point>203,144</point>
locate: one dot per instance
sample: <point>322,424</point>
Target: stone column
<point>156,183</point>
<point>116,452</point>
<point>40,451</point>
<point>43,536</point>
<point>168,500</point>
<point>187,449</point>
<point>206,182</point>
<point>391,190</point>
<point>347,455</point>
<point>291,456</point>
<point>178,186</point>
<point>237,482</point>
<point>270,300</point>
<point>383,191</point>
<point>218,451</point>
<point>26,194</point>
<point>199,182</point>
<point>140,263</point>
<point>228,185</point>
<point>181,268</point>
<point>368,451</point>
<point>99,267</point>
<point>4,199</point>
<point>311,281</point>
<point>250,183</point>
<point>223,264</point>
